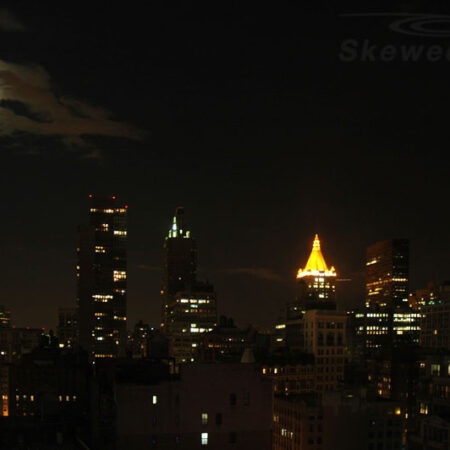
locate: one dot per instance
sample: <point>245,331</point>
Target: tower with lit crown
<point>180,257</point>
<point>312,324</point>
<point>316,283</point>
<point>188,306</point>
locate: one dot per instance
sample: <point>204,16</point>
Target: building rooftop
<point>316,264</point>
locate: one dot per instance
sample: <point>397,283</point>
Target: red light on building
<point>126,206</point>
<point>113,197</point>
<point>90,195</point>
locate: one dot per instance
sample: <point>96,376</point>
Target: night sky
<point>246,117</point>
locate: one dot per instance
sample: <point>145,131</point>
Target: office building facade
<point>389,321</point>
<point>102,279</point>
<point>67,330</point>
<point>188,306</point>
<point>5,316</point>
<point>387,265</point>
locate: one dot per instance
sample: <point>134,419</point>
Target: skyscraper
<point>5,317</point>
<point>387,273</point>
<point>188,305</point>
<point>102,279</point>
<point>180,257</point>
<point>316,284</point>
<point>389,320</point>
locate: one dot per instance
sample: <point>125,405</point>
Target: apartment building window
<point>204,419</point>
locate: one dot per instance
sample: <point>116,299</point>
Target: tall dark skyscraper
<point>102,279</point>
<point>387,273</point>
<point>388,320</point>
<point>188,306</point>
<point>180,257</point>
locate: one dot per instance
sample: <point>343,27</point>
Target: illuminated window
<point>119,275</point>
<point>204,439</point>
<point>102,298</point>
<point>155,399</point>
<point>423,408</point>
<point>204,418</point>
<point>435,369</point>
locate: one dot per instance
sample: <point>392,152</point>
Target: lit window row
<point>104,211</point>
<point>102,298</point>
<point>195,329</point>
<point>120,233</point>
<point>119,275</point>
<point>193,300</point>
<point>67,398</point>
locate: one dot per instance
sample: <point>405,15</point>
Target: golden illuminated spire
<point>316,264</point>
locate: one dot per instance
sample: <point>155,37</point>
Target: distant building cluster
<point>322,378</point>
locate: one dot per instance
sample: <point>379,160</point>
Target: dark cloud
<point>29,104</point>
<point>8,22</point>
<point>22,109</point>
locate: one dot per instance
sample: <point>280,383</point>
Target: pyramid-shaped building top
<point>316,265</point>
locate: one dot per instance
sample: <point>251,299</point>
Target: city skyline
<point>225,226</point>
<point>274,277</point>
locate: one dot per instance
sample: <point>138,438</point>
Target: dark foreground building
<point>217,406</point>
<point>48,397</point>
<point>337,421</point>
